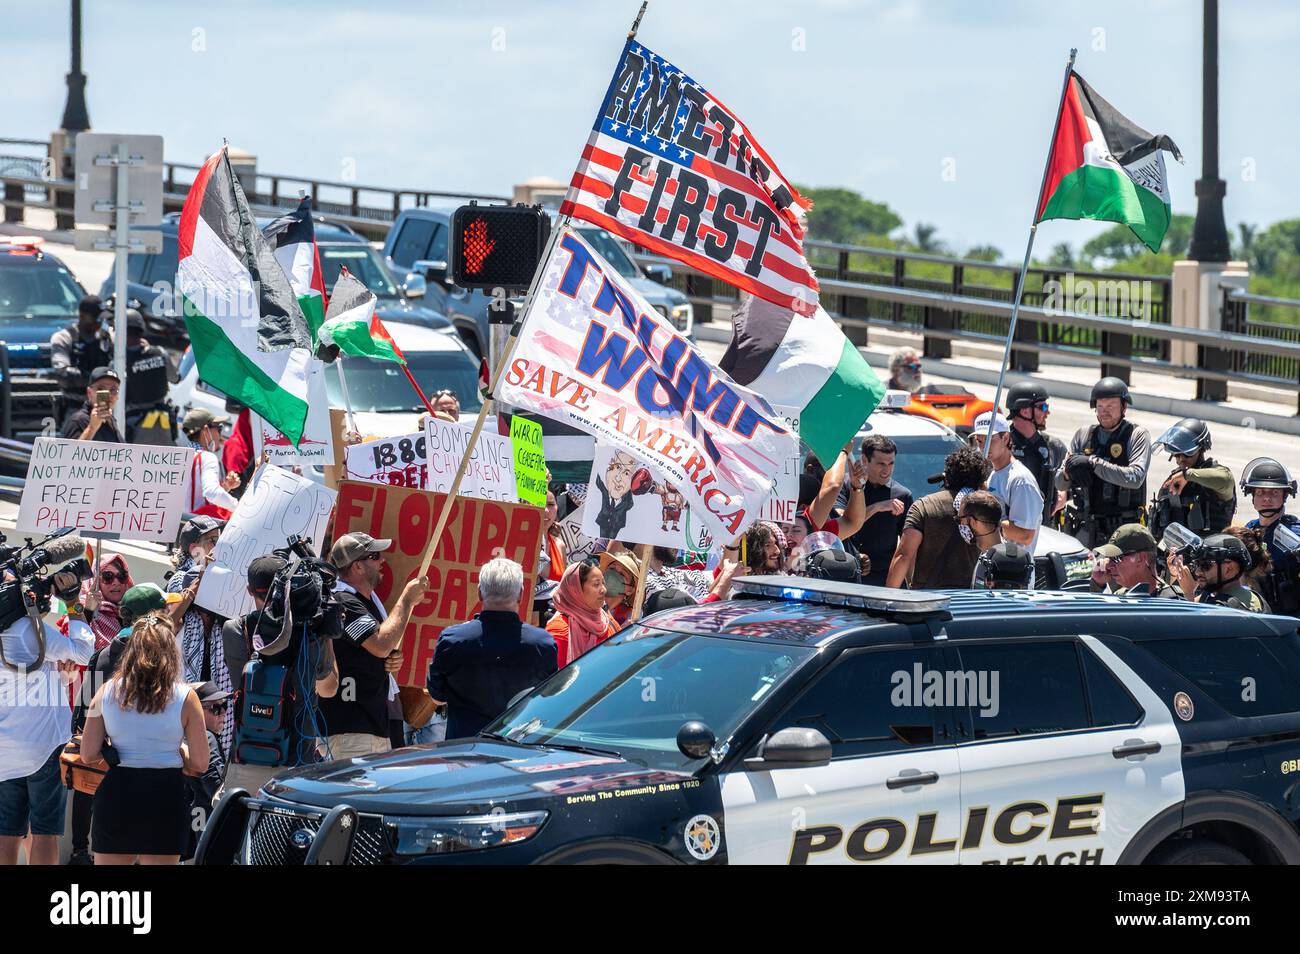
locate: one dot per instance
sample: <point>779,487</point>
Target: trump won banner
<point>594,354</point>
<point>669,167</point>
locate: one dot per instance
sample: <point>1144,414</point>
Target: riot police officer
<point>1268,484</point>
<point>1027,411</point>
<point>77,350</point>
<point>1218,569</point>
<point>1105,473</point>
<point>150,418</point>
<point>1200,493</point>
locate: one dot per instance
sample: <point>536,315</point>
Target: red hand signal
<point>477,246</point>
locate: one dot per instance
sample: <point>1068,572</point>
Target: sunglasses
<point>376,557</point>
<point>913,366</point>
<point>445,392</point>
<point>1041,407</point>
<point>216,708</point>
<point>108,576</point>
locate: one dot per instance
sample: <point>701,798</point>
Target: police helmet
<point>1188,436</point>
<point>1219,547</point>
<point>1264,473</point>
<point>1025,394</point>
<point>1004,566</point>
<point>834,565</point>
<point>1109,388</point>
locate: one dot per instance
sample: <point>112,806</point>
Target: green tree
<point>842,215</point>
<point>984,253</point>
<point>1118,243</point>
<point>925,240</point>
<point>1062,256</point>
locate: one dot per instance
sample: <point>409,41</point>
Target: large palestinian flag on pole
<point>803,362</point>
<point>1104,166</point>
<point>294,239</point>
<point>248,333</point>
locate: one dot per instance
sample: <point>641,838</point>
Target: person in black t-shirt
<point>356,719</point>
<point>93,421</point>
<point>887,504</point>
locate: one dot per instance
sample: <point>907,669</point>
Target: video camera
<point>23,588</point>
<point>301,595</point>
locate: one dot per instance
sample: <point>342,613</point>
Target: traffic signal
<point>497,246</point>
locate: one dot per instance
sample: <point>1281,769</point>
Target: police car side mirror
<point>795,747</point>
<point>695,740</point>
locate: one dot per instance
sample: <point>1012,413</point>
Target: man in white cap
<point>357,717</point>
<point>1011,482</point>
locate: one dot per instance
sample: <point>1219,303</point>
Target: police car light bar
<point>23,241</point>
<point>874,599</point>
<point>896,399</point>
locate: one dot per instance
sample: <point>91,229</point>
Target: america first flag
<point>669,167</point>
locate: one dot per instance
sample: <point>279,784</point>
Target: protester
<point>155,723</point>
<point>35,723</point>
<point>94,421</point>
<point>905,370</point>
<point>446,404</point>
<point>666,599</point>
<point>1131,563</point>
<point>580,622</point>
<point>553,551</point>
<point>204,787</point>
<point>817,500</point>
<point>663,573</point>
<point>479,666</point>
<point>1011,481</point>
<point>1042,454</point>
<point>765,548</point>
<point>886,502</point>
<point>621,570</point>
<point>358,720</point>
<point>935,551</point>
<point>981,512</point>
<point>209,491</point>
<point>237,453</point>
<point>111,583</point>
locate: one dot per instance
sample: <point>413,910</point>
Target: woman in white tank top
<point>155,724</point>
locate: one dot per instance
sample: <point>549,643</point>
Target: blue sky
<point>882,96</point>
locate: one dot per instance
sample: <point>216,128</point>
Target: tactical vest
<point>1196,508</point>
<point>86,356</point>
<point>146,377</point>
<point>1281,587</point>
<point>1036,455</point>
<point>1107,499</point>
<point>1236,595</point>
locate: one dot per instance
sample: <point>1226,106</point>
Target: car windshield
<point>632,693</point>
<point>610,251</point>
<point>381,386</point>
<point>918,459</point>
<point>38,290</point>
<point>362,261</point>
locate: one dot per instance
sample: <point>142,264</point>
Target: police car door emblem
<point>702,837</point>
<point>1183,706</point>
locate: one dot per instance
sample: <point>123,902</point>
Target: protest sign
<point>530,460</point>
<point>118,491</point>
<point>399,461</point>
<point>277,505</point>
<point>577,545</point>
<point>596,355</point>
<point>476,531</point>
<point>630,501</point>
<point>316,446</point>
<point>782,506</point>
<point>490,473</point>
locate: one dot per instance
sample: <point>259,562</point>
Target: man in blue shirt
<point>479,666</point>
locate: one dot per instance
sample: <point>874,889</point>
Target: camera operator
<point>77,350</point>
<point>93,421</point>
<point>367,652</point>
<point>199,629</point>
<point>35,722</point>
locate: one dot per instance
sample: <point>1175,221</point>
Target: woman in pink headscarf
<point>580,621</point>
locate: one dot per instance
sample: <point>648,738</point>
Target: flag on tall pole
<point>671,168</point>
<point>1104,166</point>
<point>293,237</point>
<point>352,326</point>
<point>248,333</point>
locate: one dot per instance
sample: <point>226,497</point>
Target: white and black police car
<point>809,722</point>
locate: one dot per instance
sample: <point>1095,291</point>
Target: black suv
<point>807,722</point>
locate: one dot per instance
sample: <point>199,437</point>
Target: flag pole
<point>1029,248</point>
<point>643,551</point>
<point>513,339</point>
<point>410,377</point>
<point>636,24</point>
<point>347,398</point>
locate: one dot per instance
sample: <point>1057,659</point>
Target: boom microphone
<point>58,551</point>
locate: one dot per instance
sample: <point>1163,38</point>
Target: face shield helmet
<point>1005,566</point>
<point>1188,437</point>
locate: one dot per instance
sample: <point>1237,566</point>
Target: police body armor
<point>1281,587</point>
<point>1107,500</point>
<point>150,417</point>
<point>1196,508</point>
<point>85,356</point>
<point>1035,453</point>
<point>1236,595</point>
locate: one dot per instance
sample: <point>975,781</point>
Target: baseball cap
<point>197,527</point>
<point>1129,538</point>
<point>134,321</point>
<point>1000,425</point>
<point>208,692</point>
<point>351,547</point>
<point>103,371</point>
<point>262,571</point>
<point>145,598</point>
<point>201,417</point>
<point>90,305</point>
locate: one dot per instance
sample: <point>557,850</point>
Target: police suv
<point>808,722</point>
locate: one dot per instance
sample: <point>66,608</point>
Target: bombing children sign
<point>115,491</point>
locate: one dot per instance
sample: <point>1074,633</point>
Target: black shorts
<point>141,811</point>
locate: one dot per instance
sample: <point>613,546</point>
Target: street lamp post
<point>1210,234</point>
<point>76,118</point>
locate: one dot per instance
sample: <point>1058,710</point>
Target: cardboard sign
<point>116,491</point>
<point>632,501</point>
<point>277,505</point>
<point>490,473</point>
<point>782,506</point>
<point>577,545</point>
<point>399,461</point>
<point>316,446</point>
<point>476,531</point>
<point>530,460</point>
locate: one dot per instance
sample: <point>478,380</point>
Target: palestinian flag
<point>1104,166</point>
<point>294,239</point>
<point>352,326</point>
<point>803,362</point>
<point>248,333</point>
